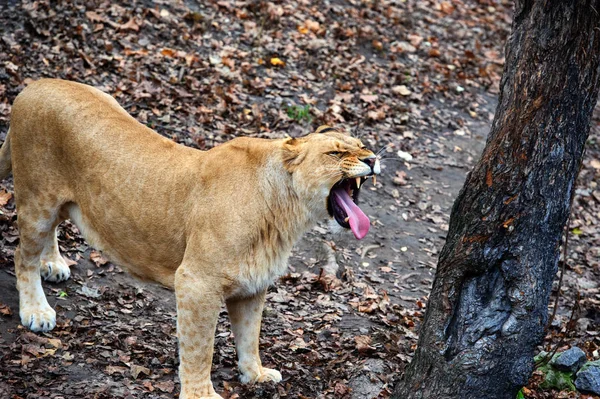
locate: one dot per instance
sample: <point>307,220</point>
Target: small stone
<point>405,156</point>
<point>570,360</point>
<point>588,378</point>
<point>406,47</point>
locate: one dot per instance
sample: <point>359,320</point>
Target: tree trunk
<point>489,302</point>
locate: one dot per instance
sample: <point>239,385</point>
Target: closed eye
<point>335,153</point>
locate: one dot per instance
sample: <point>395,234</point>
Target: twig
<point>565,253</point>
<point>562,272</point>
<point>258,37</point>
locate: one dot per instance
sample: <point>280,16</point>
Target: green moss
<point>555,379</point>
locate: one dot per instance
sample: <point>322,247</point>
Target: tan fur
<point>217,226</point>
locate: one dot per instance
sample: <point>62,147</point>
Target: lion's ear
<point>293,152</point>
<point>326,129</point>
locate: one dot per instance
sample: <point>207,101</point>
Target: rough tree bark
<point>489,302</point>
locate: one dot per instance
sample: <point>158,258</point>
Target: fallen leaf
<point>4,197</point>
<point>363,343</point>
<point>402,90</point>
<point>277,62</point>
<point>137,370</point>
<point>5,310</point>
<point>89,292</point>
<point>447,7</point>
<point>94,17</point>
<point>369,98</point>
<point>168,52</point>
<point>110,370</point>
<point>131,25</point>
<point>400,178</point>
<point>434,52</point>
<point>165,386</point>
<point>97,258</point>
<point>312,25</point>
<point>376,115</point>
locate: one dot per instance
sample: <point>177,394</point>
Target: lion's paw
<point>40,320</point>
<point>210,396</point>
<point>267,375</point>
<point>55,271</point>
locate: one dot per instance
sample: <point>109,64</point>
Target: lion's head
<point>332,166</point>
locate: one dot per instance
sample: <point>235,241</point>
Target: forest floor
<point>417,77</point>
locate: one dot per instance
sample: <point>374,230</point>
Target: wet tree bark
<point>489,302</point>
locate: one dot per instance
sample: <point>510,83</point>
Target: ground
<point>417,80</point>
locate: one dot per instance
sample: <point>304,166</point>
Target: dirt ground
<point>419,78</point>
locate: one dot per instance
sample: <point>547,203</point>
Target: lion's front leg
<point>245,315</point>
<point>198,305</point>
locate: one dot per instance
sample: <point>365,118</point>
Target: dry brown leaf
<point>363,343</point>
<point>369,98</point>
<point>70,262</point>
<point>312,25</point>
<point>165,386</point>
<point>368,307</point>
<point>402,90</point>
<point>376,115</point>
<point>5,310</point>
<point>168,52</point>
<point>136,370</point>
<point>110,370</point>
<point>131,25</point>
<point>97,258</point>
<point>447,7</point>
<point>4,197</point>
<point>94,17</point>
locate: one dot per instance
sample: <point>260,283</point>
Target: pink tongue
<point>359,222</point>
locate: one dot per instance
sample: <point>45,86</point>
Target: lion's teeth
<point>374,179</point>
<point>358,182</point>
<point>346,220</point>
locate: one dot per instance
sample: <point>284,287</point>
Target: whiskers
<point>382,149</point>
<point>383,156</point>
<point>384,160</point>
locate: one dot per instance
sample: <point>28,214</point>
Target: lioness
<point>217,226</point>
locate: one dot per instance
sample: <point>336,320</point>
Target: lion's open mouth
<point>341,204</point>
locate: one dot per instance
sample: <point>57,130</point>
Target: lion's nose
<point>373,163</point>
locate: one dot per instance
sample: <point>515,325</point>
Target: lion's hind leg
<point>245,315</point>
<point>36,230</point>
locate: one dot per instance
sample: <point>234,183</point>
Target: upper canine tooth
<point>374,179</point>
<point>358,182</point>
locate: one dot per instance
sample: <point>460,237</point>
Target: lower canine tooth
<point>358,182</point>
<point>374,180</point>
<point>346,220</point>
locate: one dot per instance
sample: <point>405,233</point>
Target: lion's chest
<point>259,272</point>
